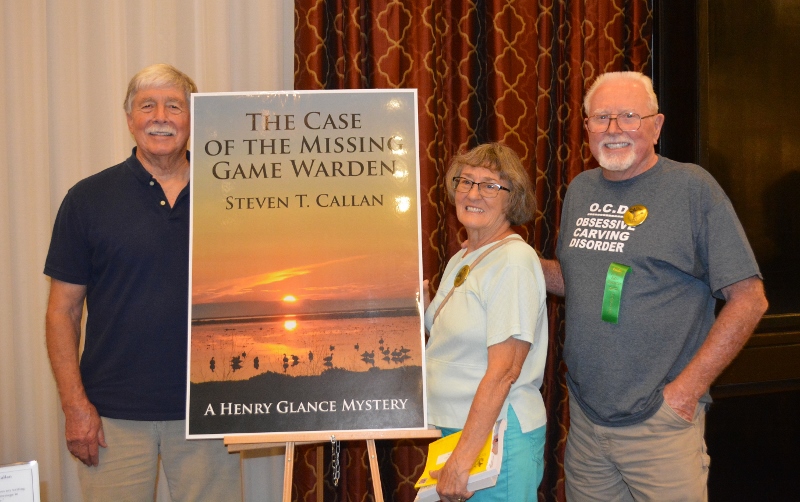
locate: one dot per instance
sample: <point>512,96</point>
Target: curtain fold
<point>65,70</point>
<point>485,70</point>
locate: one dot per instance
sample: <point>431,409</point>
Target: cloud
<point>236,287</point>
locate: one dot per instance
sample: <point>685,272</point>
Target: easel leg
<point>241,476</point>
<point>320,473</point>
<point>288,469</point>
<point>373,468</point>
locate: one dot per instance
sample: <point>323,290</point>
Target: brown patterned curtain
<point>485,70</point>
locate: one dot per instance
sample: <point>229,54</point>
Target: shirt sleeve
<point>724,245</point>
<point>69,256</point>
<point>512,305</point>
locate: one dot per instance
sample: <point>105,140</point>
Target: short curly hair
<point>505,162</point>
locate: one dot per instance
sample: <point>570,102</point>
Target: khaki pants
<point>661,459</point>
<point>196,470</point>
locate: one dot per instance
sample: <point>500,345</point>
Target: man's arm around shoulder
<point>84,430</point>
<point>745,303</point>
<point>553,279</point>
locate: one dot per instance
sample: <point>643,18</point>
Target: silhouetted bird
<point>213,364</point>
<point>310,356</point>
<point>236,363</point>
<point>255,362</point>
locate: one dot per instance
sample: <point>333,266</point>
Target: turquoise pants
<point>523,464</point>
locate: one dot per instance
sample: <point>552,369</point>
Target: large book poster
<point>305,263</point>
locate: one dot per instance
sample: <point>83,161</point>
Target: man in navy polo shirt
<point>121,245</point>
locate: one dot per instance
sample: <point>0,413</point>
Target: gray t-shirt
<point>689,247</point>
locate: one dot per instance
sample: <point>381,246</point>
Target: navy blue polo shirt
<point>116,234</point>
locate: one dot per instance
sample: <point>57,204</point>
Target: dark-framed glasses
<point>627,122</point>
<point>485,188</point>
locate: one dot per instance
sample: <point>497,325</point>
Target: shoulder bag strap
<point>474,264</point>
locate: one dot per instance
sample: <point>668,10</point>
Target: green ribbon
<point>612,294</point>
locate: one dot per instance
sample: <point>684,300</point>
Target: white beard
<point>615,162</point>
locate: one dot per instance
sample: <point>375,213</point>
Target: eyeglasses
<point>486,189</point>
<point>627,122</point>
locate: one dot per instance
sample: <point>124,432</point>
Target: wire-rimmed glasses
<point>486,189</point>
<point>627,122</point>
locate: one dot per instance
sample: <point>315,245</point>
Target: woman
<point>488,339</point>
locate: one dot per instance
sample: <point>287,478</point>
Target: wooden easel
<point>238,444</point>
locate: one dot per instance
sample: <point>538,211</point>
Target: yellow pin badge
<point>635,216</point>
<point>461,276</point>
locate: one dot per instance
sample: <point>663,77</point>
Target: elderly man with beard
<point>121,245</point>
<point>647,247</point>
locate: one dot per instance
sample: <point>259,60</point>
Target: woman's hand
<point>452,480</point>
<point>505,363</point>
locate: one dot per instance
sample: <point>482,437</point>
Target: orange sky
<point>352,237</point>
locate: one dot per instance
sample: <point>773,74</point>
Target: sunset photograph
<point>305,259</point>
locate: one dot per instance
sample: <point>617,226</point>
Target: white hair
<point>158,75</point>
<point>633,76</point>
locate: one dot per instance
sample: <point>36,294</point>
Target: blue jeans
<point>523,464</point>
